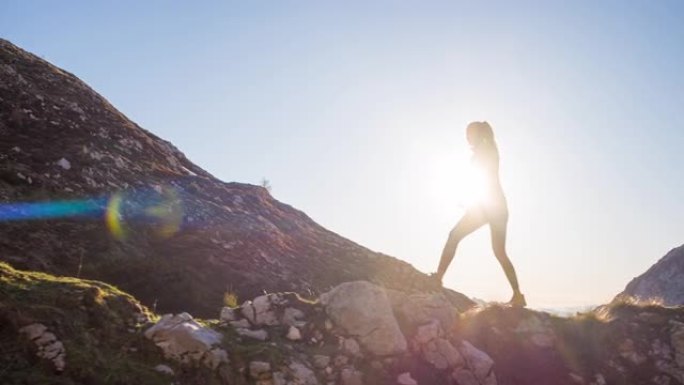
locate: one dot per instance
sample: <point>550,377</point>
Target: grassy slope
<point>96,323</point>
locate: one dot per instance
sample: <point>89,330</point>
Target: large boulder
<point>363,310</point>
<point>183,339</point>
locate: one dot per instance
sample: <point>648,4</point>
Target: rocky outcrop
<point>89,193</point>
<point>363,310</point>
<point>663,283</point>
<point>183,339</point>
<point>78,330</point>
<point>49,347</point>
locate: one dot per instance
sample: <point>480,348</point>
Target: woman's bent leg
<point>471,221</point>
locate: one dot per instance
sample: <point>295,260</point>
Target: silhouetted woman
<point>490,208</point>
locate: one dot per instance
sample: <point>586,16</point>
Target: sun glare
<point>455,183</point>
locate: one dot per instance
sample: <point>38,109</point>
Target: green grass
<point>95,322</point>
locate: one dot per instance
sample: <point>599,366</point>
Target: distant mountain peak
<point>662,283</point>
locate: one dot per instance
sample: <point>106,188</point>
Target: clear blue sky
<point>355,112</point>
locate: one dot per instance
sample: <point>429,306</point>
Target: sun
<point>455,183</point>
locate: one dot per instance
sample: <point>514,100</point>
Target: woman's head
<point>478,133</point>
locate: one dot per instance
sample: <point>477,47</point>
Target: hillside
<point>662,283</point>
<point>86,192</point>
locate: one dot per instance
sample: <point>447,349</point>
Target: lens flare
<point>113,217</point>
<point>50,210</point>
<point>158,209</point>
<point>166,213</point>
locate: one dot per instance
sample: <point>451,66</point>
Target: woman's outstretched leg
<point>498,228</point>
<point>471,221</point>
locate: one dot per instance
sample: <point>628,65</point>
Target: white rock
<point>320,361</point>
<point>46,338</point>
<point>302,374</point>
<point>442,354</point>
<point>293,334</point>
<point>48,346</point>
<point>240,324</point>
<point>465,377</point>
<point>63,163</point>
<point>428,332</point>
<point>363,310</point>
<point>258,367</point>
<point>181,338</point>
<point>478,361</point>
<point>279,378</point>
<point>215,357</point>
<point>164,369</point>
<point>293,317</point>
<point>351,376</point>
<point>261,335</point>
<point>352,347</point>
<point>33,331</point>
<point>259,311</point>
<point>228,314</point>
<point>406,379</point>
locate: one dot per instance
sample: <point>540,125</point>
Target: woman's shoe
<point>435,281</point>
<point>518,300</point>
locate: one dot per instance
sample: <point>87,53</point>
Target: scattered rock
<point>293,334</point>
<point>49,347</point>
<point>181,338</point>
<point>260,334</point>
<point>406,379</point>
<point>302,374</point>
<point>320,361</point>
<point>63,163</point>
<point>228,314</point>
<point>257,368</point>
<point>259,311</point>
<point>478,362</point>
<point>165,369</point>
<point>363,310</point>
<point>349,376</point>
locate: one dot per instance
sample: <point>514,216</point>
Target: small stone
<point>46,338</point>
<point>256,368</point>
<point>164,369</point>
<point>341,360</point>
<point>241,324</point>
<point>33,331</point>
<point>261,335</point>
<point>600,380</point>
<point>320,361</point>
<point>352,347</point>
<point>351,376</point>
<point>63,163</point>
<point>406,379</point>
<point>464,377</point>
<point>279,378</point>
<point>576,378</point>
<point>427,332</point>
<point>293,334</point>
<point>228,314</point>
<point>302,374</point>
<point>293,317</point>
